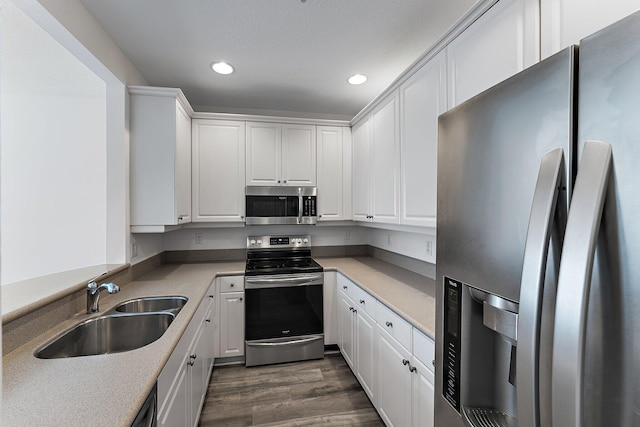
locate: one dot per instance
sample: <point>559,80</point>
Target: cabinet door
<point>499,44</point>
<point>263,163</point>
<point>231,324</point>
<point>209,337</point>
<point>394,382</point>
<point>218,171</point>
<point>347,328</point>
<point>565,22</point>
<point>330,167</point>
<point>298,155</point>
<point>183,165</point>
<point>422,394</point>
<point>197,369</point>
<point>366,368</point>
<point>423,98</point>
<point>385,161</point>
<point>361,171</point>
<point>176,412</point>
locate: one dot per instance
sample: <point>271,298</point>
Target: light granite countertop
<point>108,390</point>
<point>409,294</point>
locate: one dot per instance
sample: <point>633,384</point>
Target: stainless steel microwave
<point>280,205</point>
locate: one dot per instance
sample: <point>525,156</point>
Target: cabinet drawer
<point>231,283</point>
<point>423,348</point>
<point>363,300</point>
<point>345,285</point>
<point>395,325</point>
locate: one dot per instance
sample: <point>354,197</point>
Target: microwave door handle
<point>574,282</point>
<point>300,205</point>
<point>544,211</point>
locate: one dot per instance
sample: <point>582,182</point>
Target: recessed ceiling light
<point>357,79</point>
<point>222,68</point>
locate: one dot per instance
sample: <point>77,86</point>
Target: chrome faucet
<point>93,293</point>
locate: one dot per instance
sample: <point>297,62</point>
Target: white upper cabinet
<point>298,155</point>
<point>423,97</point>
<point>361,196</point>
<point>334,173</point>
<point>385,160</point>
<point>160,158</point>
<point>218,170</point>
<point>280,154</point>
<point>502,42</point>
<point>376,164</point>
<point>565,22</point>
<point>263,153</point>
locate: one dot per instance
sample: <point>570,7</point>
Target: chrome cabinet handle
<point>240,299</point>
<point>210,296</point>
<point>545,209</point>
<point>361,301</point>
<point>389,324</point>
<point>344,287</point>
<point>574,282</point>
<point>231,285</point>
<point>405,362</point>
<point>208,320</point>
<point>413,369</point>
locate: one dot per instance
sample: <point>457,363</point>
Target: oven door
<point>283,318</point>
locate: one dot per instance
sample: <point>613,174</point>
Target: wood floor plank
<point>320,392</point>
<point>361,417</point>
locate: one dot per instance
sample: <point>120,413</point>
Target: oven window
<point>283,312</point>
<point>272,206</point>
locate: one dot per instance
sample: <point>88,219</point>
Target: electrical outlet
<point>429,247</point>
<point>347,235</point>
<point>134,249</point>
<point>198,238</point>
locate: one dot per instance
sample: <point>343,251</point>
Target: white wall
<point>411,244</point>
<point>53,163</point>
<point>236,238</point>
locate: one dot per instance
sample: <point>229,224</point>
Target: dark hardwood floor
<point>312,393</point>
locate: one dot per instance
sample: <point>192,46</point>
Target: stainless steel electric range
<point>283,301</point>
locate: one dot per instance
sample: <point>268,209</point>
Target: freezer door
<point>489,154</point>
<point>609,111</point>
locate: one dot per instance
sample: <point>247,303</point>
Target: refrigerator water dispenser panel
<point>479,363</point>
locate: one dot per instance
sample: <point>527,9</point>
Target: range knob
<point>252,242</point>
<point>259,242</point>
<point>306,241</point>
<point>298,241</point>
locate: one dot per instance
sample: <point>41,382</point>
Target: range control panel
<point>284,242</point>
<point>452,325</point>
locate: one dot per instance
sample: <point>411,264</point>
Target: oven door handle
<point>282,282</point>
<point>285,343</point>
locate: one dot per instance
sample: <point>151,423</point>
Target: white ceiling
<point>290,55</point>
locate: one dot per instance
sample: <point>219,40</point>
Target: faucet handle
<point>91,284</point>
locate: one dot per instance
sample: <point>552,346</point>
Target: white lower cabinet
<point>182,384</point>
<point>392,360</point>
<point>346,325</point>
<point>365,339</point>
<point>394,381</point>
<point>231,290</point>
<point>422,393</point>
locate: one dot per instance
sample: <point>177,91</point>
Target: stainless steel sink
<point>112,333</point>
<point>171,304</point>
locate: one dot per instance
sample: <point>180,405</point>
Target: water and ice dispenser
<point>479,365</point>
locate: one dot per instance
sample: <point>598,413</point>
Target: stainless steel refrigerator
<point>538,264</point>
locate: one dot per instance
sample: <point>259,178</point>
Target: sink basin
<point>112,333</point>
<point>171,304</point>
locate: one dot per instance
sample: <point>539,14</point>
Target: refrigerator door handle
<point>543,211</point>
<point>574,282</point>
